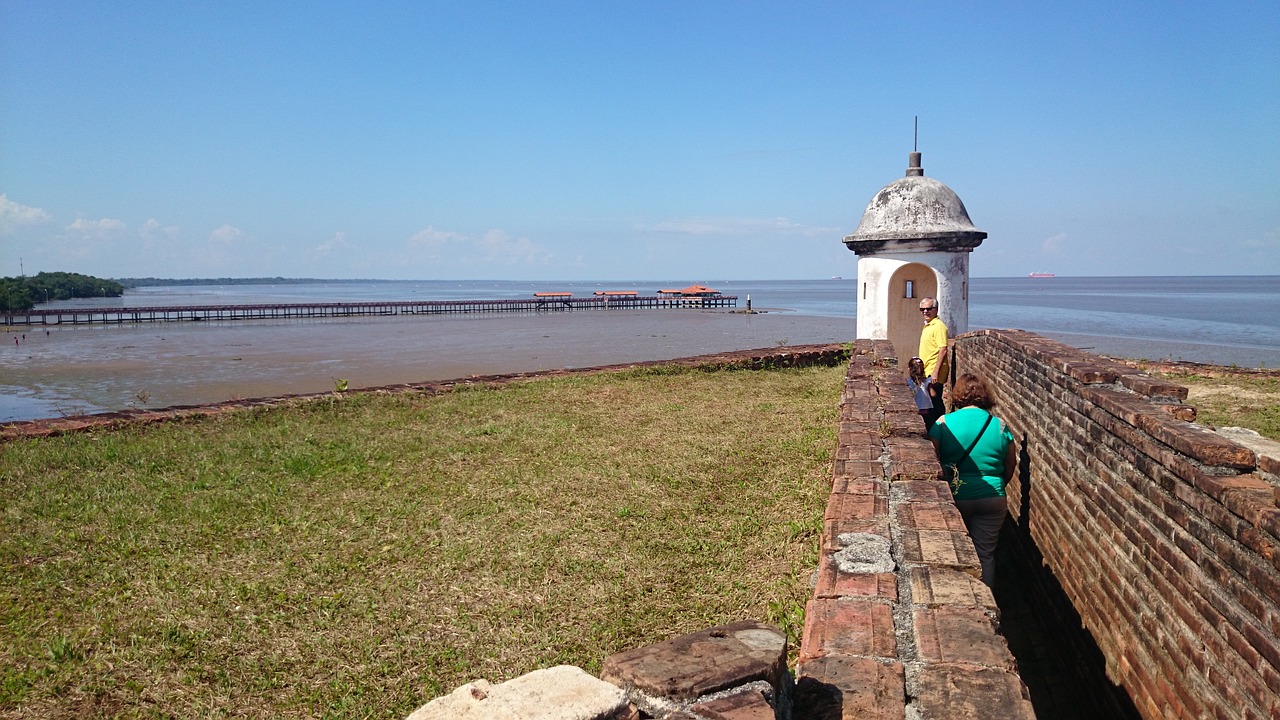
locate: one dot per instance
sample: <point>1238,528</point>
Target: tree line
<point>23,293</point>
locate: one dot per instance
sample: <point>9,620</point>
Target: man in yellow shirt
<point>933,351</point>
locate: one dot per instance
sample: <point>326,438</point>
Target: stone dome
<point>915,207</point>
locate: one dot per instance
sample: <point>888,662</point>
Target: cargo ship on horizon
<point>1040,275</point>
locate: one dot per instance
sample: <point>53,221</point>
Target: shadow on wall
<point>1059,661</point>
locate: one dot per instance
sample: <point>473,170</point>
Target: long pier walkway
<point>221,313</point>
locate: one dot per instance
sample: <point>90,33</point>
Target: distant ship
<point>1040,275</point>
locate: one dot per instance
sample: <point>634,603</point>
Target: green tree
<point>22,293</point>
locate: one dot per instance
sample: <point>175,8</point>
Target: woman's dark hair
<point>971,391</point>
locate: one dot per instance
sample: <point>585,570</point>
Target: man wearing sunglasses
<point>933,351</point>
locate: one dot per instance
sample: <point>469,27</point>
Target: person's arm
<point>937,444</point>
<point>1010,462</point>
<point>942,360</point>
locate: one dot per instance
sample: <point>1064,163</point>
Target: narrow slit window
<point>864,291</point>
<point>911,289</point>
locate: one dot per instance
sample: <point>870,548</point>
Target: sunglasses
<point>927,309</point>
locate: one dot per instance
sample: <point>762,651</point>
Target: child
<point>919,386</point>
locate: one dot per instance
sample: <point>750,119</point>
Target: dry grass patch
<point>1241,399</point>
<point>355,557</point>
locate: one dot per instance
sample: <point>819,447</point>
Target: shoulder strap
<point>976,438</point>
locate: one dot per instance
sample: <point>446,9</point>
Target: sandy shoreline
<point>75,370</point>
<point>115,368</point>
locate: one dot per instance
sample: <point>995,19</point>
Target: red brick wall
<point>1165,536</point>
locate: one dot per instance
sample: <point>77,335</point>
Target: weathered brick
<point>689,666</point>
<point>832,582</point>
<point>936,586</point>
<point>833,529</point>
<point>873,484</point>
<point>855,506</point>
<point>939,547</point>
<point>930,516</point>
<point>926,490</point>
<point>841,626</point>
<point>967,692</point>
<point>960,635</point>
<point>849,688</point>
<point>863,451</point>
<point>749,705</point>
<point>914,470</point>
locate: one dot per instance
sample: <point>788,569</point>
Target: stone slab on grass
<point>564,692</point>
<point>683,669</point>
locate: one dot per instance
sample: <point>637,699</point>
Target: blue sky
<point>629,140</point>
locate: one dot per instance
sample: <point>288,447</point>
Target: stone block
<point>901,424</point>
<point>849,688</point>
<point>834,582</point>
<point>1202,444</point>
<point>868,483</point>
<point>1153,388</point>
<point>966,692</point>
<point>748,705</point>
<point>857,469</point>
<point>933,586</point>
<point>912,448</point>
<point>960,635</point>
<point>1185,413</point>
<point>559,693</point>
<point>833,529</point>
<point>843,626</point>
<point>903,470</point>
<point>929,489</point>
<point>688,667</point>
<point>929,516</point>
<point>862,553</point>
<point>848,506</point>
<point>939,547</point>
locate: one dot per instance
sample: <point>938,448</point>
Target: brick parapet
<point>1164,534</point>
<point>899,624</point>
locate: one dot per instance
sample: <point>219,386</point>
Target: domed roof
<point>916,208</point>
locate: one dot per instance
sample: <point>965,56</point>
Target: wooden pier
<point>292,311</point>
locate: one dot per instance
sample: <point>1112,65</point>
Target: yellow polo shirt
<point>932,339</point>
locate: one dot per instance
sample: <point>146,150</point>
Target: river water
<point>62,370</point>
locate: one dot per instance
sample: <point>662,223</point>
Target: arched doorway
<point>908,284</point>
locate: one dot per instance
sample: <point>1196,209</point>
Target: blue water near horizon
<point>1201,312</point>
<point>1233,311</point>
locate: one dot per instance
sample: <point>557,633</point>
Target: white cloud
<point>494,246</point>
<point>13,214</point>
<point>335,244</point>
<point>153,229</point>
<point>95,229</point>
<point>429,237</point>
<point>1269,239</point>
<point>226,235</point>
<point>737,226</point>
<point>1053,245</point>
<point>498,245</point>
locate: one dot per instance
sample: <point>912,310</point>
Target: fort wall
<point>899,624</point>
<point>1164,535</point>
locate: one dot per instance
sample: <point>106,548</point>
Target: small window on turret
<point>911,289</point>
<point>864,291</point>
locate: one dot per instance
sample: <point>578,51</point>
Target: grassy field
<point>354,557</point>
